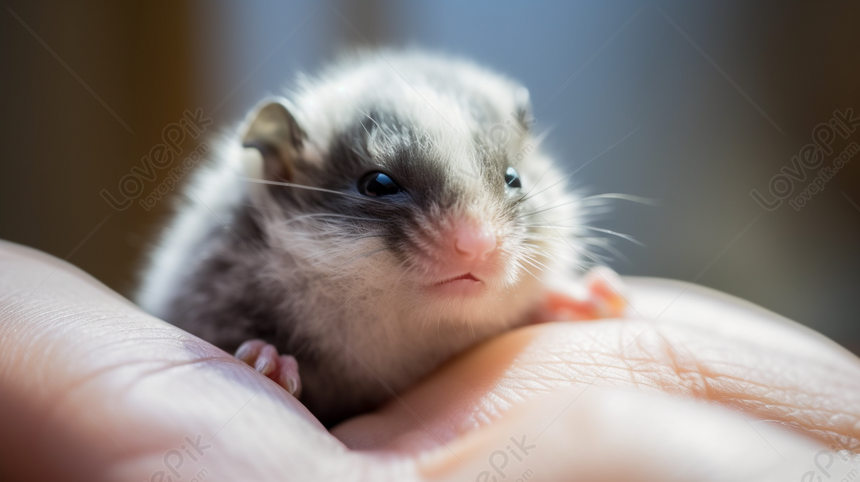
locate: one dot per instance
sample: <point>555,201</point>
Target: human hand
<point>94,389</point>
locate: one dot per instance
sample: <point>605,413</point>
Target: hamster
<point>390,212</point>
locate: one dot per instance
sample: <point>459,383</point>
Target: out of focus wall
<point>690,104</point>
<point>87,88</point>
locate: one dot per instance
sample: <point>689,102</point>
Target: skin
<point>714,389</point>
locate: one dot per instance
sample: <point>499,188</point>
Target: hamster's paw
<point>603,296</point>
<point>281,369</point>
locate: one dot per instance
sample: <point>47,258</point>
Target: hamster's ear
<point>272,130</point>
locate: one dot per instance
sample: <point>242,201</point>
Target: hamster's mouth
<point>464,285</point>
<point>462,277</point>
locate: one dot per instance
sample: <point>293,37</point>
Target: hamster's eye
<point>512,178</point>
<point>377,184</point>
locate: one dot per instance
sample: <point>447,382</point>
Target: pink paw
<point>281,369</point>
<point>604,297</point>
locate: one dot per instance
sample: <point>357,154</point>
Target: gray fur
<point>334,279</point>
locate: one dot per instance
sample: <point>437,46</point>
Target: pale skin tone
<point>713,389</point>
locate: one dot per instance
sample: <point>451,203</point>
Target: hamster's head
<point>414,182</point>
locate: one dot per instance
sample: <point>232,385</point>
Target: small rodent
<point>391,212</point>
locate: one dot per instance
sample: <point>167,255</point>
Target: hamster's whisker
<point>309,188</point>
<point>345,244</point>
<point>332,215</point>
<point>367,236</point>
<point>526,197</point>
<point>365,255</point>
<point>554,257</point>
<point>322,254</point>
<point>623,236</point>
<point>530,263</point>
<point>354,258</point>
<point>544,252</point>
<point>594,257</point>
<point>328,215</point>
<point>540,211</point>
<point>572,199</point>
<point>603,244</point>
<point>622,197</point>
<point>591,201</point>
<point>552,238</point>
<point>559,221</point>
<point>533,254</point>
<point>519,266</point>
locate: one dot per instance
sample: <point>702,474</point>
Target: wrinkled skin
<point>91,388</point>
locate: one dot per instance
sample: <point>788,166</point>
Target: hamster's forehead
<point>447,101</point>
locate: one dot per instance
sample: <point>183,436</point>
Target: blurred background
<point>692,105</point>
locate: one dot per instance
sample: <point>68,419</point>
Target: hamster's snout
<point>462,261</point>
<point>474,242</point>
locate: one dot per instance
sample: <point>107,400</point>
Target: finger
<point>705,346</point>
<point>610,435</point>
<point>93,389</point>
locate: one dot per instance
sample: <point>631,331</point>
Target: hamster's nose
<point>474,242</point>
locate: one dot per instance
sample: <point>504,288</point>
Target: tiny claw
<point>267,360</point>
<point>289,375</point>
<point>263,366</point>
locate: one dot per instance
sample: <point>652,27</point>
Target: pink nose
<point>474,242</point>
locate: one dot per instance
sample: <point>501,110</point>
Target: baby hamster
<point>392,211</point>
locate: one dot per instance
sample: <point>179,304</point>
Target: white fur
<point>207,204</point>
